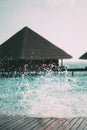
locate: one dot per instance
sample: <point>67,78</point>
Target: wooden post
<point>61,62</point>
<point>72,73</point>
<point>57,62</point>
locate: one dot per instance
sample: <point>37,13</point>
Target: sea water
<point>51,94</point>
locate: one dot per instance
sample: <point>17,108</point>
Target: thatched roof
<point>84,56</point>
<point>27,44</point>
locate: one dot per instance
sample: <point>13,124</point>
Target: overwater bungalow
<point>27,50</point>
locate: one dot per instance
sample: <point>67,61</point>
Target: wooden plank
<point>47,124</point>
<point>70,125</point>
<point>31,125</point>
<point>42,126</point>
<point>41,123</point>
<point>23,123</point>
<point>27,123</point>
<point>85,128</point>
<point>16,123</point>
<point>83,125</point>
<point>65,124</point>
<point>58,124</point>
<point>77,124</point>
<point>53,125</point>
<point>3,119</point>
<point>9,122</point>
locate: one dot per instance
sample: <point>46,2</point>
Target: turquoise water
<point>46,95</point>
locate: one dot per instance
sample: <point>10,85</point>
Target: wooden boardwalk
<point>18,122</point>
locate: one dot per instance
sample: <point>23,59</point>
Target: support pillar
<point>58,63</point>
<point>61,62</point>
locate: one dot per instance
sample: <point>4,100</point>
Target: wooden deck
<point>19,122</point>
<point>72,70</point>
<point>77,69</point>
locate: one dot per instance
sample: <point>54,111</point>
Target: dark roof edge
<point>12,36</point>
<point>46,40</point>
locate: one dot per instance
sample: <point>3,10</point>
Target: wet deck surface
<point>18,122</point>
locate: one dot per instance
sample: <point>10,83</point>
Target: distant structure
<point>28,50</point>
<point>84,56</point>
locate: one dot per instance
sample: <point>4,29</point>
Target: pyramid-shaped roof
<point>84,56</point>
<point>27,44</point>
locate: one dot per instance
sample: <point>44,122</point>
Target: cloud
<point>61,3</point>
<point>78,4</point>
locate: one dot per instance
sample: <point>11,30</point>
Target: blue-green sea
<point>51,94</point>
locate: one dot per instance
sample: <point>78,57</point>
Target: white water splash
<point>50,95</point>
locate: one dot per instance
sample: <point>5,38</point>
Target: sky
<point>62,22</point>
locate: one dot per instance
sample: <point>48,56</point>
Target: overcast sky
<point>63,22</point>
